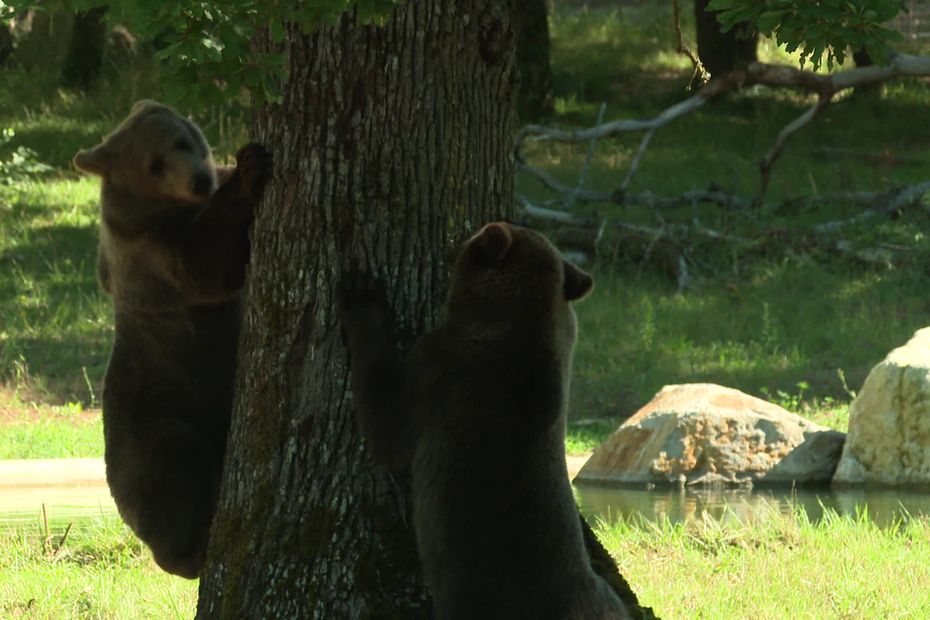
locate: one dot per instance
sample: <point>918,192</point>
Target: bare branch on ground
<point>825,86</point>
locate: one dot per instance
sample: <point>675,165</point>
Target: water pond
<point>22,506</point>
<point>85,498</point>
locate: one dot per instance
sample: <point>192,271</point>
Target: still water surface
<point>22,506</point>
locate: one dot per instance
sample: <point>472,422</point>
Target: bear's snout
<point>202,184</point>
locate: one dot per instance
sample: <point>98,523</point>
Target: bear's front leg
<point>241,186</point>
<point>215,247</point>
<point>378,378</point>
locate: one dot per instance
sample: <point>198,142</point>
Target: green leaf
<point>276,30</point>
<point>768,21</point>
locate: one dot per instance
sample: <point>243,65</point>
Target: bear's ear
<point>493,241</point>
<point>94,161</point>
<point>577,283</point>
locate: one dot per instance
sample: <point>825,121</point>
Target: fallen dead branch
<point>665,246</point>
<point>824,86</point>
<point>658,246</point>
<point>886,204</point>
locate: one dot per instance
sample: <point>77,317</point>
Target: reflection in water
<point>882,505</point>
<point>23,505</point>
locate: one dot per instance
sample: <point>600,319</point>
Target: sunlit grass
<point>100,571</point>
<point>32,431</point>
<point>776,566</point>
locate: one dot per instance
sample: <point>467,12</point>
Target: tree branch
<point>825,86</point>
<point>765,166</point>
<point>664,245</point>
<point>699,71</point>
<point>889,204</point>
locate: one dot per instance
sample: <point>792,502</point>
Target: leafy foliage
<point>19,164</point>
<point>206,47</point>
<point>818,28</point>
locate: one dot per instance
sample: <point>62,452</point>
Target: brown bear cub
<point>173,252</point>
<point>477,411</point>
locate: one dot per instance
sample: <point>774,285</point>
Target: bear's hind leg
<point>176,494</point>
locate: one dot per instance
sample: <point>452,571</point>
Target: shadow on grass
<point>56,322</point>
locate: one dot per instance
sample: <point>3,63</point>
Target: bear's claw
<point>361,301</point>
<point>255,165</point>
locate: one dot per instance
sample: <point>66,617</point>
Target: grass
<point>779,566</point>
<point>770,567</point>
<point>32,431</point>
<point>56,323</point>
<point>800,327</point>
<point>100,571</point>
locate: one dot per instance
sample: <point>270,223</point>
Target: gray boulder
<point>709,434</point>
<point>889,421</point>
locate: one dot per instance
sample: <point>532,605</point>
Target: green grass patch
<point>801,334</point>
<point>583,436</point>
<point>779,566</point>
<point>100,571</point>
<point>28,431</point>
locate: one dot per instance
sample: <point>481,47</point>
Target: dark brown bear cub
<point>173,252</point>
<point>477,410</point>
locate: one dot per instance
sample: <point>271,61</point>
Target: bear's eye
<point>157,166</point>
<point>183,145</point>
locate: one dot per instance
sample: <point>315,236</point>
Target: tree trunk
<point>722,52</point>
<point>534,98</point>
<point>862,58</point>
<point>6,42</point>
<point>390,144</point>
<point>85,49</point>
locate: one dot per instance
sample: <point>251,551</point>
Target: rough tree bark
<point>722,52</point>
<point>535,97</point>
<point>390,144</point>
<point>85,49</point>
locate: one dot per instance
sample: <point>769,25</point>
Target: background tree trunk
<point>390,145</point>
<point>85,50</point>
<point>534,97</point>
<point>862,58</point>
<point>6,42</point>
<point>722,52</point>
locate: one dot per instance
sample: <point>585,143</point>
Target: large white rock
<point>889,421</point>
<point>709,434</point>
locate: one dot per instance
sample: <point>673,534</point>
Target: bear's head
<point>155,154</point>
<point>506,269</point>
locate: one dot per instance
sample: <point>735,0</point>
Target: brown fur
<point>477,411</point>
<point>173,252</point>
